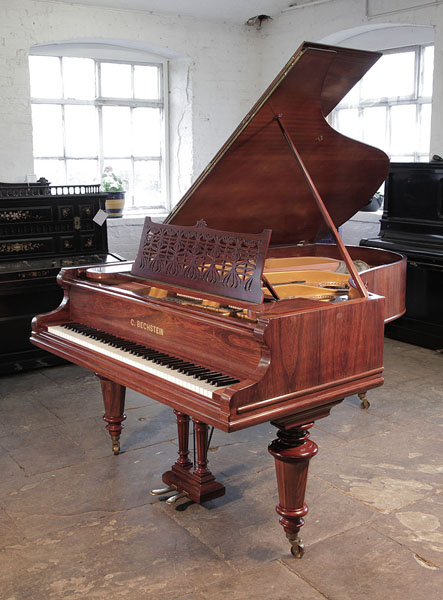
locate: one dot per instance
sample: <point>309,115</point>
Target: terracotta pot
<point>115,203</point>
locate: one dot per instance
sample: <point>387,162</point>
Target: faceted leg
<point>114,401</point>
<point>199,485</point>
<point>292,451</point>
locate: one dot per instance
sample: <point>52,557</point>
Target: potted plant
<point>113,185</point>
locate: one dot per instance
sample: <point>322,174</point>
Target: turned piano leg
<point>199,485</point>
<point>114,401</point>
<point>182,462</point>
<point>292,452</point>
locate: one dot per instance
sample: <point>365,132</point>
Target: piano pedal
<point>163,491</point>
<point>297,546</point>
<point>173,499</point>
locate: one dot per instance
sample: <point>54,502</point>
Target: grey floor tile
<point>12,476</point>
<point>75,402</point>
<point>350,422</point>
<point>13,385</point>
<point>87,490</point>
<point>419,527</point>
<point>9,533</point>
<point>387,471</point>
<point>272,582</point>
<point>133,554</point>
<point>42,450</point>
<point>22,414</point>
<point>362,563</point>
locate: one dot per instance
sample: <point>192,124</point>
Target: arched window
<point>390,108</point>
<point>90,114</point>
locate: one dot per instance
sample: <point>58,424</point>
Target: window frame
<point>389,102</point>
<point>102,101</point>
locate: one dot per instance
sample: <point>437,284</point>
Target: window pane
<point>116,131</point>
<point>82,171</point>
<point>403,129</point>
<point>46,80</point>
<point>79,78</point>
<point>348,123</point>
<point>147,131</point>
<point>52,170</point>
<point>116,80</point>
<point>428,71</point>
<point>146,82</point>
<point>425,128</point>
<point>374,127</point>
<point>47,130</point>
<point>81,131</point>
<point>147,185</point>
<point>390,77</point>
<point>402,158</point>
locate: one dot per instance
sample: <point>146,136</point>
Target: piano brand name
<point>147,326</point>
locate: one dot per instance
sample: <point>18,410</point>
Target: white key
<point>143,364</point>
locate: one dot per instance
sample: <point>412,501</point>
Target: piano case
<point>42,229</point>
<point>189,323</point>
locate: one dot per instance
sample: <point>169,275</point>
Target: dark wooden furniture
<point>412,224</point>
<point>42,229</point>
<point>222,359</point>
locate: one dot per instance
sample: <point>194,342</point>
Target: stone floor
<point>77,522</point>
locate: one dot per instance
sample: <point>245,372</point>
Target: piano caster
<point>364,402</point>
<point>297,546</point>
<point>115,446</point>
<point>163,491</point>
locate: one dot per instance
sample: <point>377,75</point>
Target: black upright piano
<point>412,224</point>
<point>42,229</point>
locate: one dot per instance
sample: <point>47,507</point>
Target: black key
<point>207,376</point>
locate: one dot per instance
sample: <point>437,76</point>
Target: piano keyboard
<point>185,374</point>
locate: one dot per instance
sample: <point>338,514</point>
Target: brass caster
<point>173,499</point>
<point>297,546</point>
<point>163,491</point>
<point>364,402</point>
<point>115,447</point>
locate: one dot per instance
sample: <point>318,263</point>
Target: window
<point>390,108</point>
<point>91,114</point>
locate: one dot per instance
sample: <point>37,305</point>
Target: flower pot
<point>115,202</point>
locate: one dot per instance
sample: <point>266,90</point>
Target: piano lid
<point>254,182</point>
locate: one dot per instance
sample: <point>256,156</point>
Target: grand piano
<point>234,313</point>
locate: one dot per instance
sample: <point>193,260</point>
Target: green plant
<point>112,182</point>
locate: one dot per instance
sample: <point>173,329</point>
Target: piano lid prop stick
<point>327,217</point>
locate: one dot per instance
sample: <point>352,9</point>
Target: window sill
<point>367,217</point>
<point>134,219</point>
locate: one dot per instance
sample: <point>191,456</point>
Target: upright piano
<point>233,313</point>
<point>412,223</point>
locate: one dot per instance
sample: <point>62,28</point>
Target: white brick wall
<point>220,57</point>
<point>216,71</point>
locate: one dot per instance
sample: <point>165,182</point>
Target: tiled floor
<point>77,522</point>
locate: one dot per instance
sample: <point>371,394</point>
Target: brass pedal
<point>163,491</point>
<point>173,499</point>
